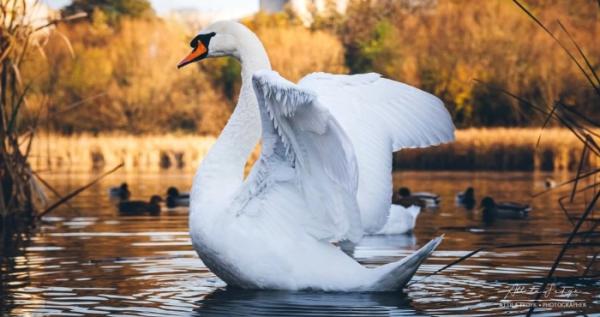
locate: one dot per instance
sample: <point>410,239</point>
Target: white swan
<point>273,230</point>
<point>401,220</point>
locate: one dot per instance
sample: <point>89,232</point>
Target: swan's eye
<point>202,38</point>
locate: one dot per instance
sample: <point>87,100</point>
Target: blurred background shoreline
<point>105,90</point>
<point>92,105</point>
<point>114,71</point>
<point>491,149</point>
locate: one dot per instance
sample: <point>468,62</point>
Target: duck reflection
<point>236,302</point>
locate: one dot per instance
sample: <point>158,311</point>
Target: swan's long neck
<point>222,170</point>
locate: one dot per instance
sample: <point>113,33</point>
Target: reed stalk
<point>19,192</point>
<point>580,125</point>
<point>585,227</point>
<point>23,29</point>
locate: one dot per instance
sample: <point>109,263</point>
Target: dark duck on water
<point>140,207</point>
<point>121,192</point>
<point>405,199</point>
<point>177,199</point>
<point>492,210</point>
<point>466,198</point>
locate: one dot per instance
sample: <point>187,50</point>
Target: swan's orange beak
<point>197,54</point>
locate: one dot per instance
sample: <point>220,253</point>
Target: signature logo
<point>552,296</point>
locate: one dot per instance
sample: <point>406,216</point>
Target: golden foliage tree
<point>296,51</point>
<point>444,46</point>
<point>125,79</point>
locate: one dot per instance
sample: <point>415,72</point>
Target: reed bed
<point>85,152</point>
<point>585,129</point>
<point>23,29</point>
<point>474,149</point>
<point>500,149</point>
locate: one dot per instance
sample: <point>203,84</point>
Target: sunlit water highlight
<point>86,259</point>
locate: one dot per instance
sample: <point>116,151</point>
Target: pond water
<point>86,259</point>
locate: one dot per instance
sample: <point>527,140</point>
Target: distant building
<point>196,19</point>
<point>303,8</point>
<point>272,5</point>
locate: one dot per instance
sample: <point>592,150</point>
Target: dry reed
<point>499,149</point>
<point>474,149</point>
<point>22,29</point>
<point>85,152</point>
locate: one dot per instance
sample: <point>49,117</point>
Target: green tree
<point>113,9</point>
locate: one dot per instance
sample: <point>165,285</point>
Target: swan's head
<point>224,38</point>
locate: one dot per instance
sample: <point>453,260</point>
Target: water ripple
<point>88,260</point>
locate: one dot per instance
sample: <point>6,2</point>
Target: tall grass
<point>18,189</point>
<point>500,149</point>
<point>24,26</point>
<point>86,152</point>
<point>580,124</point>
<point>584,128</point>
<point>491,149</point>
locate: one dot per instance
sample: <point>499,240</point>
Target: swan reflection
<point>236,302</point>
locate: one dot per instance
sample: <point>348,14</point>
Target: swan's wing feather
<point>380,116</point>
<point>299,131</point>
<point>410,117</point>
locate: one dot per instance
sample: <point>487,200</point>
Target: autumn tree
<point>112,9</point>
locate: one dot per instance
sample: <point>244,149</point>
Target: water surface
<point>86,259</point>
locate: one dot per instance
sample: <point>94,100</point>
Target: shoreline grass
<point>499,149</point>
<point>86,152</point>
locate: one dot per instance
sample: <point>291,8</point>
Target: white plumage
<point>325,143</point>
<point>380,116</point>
<point>401,220</point>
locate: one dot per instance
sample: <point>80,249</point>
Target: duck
<point>549,183</point>
<point>277,228</point>
<point>177,199</point>
<point>422,199</point>
<point>121,192</point>
<point>140,207</point>
<point>466,198</point>
<point>431,200</point>
<point>492,210</point>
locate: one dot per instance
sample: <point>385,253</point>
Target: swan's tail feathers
<point>401,220</point>
<point>414,211</point>
<point>394,276</point>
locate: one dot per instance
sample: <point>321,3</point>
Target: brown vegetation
<point>491,149</point>
<point>500,149</point>
<point>18,189</point>
<point>23,27</point>
<point>444,46</point>
<point>296,51</point>
<point>86,152</point>
<point>118,73</point>
<point>124,79</point>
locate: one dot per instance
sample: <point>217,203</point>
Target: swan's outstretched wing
<point>303,143</point>
<point>380,116</point>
